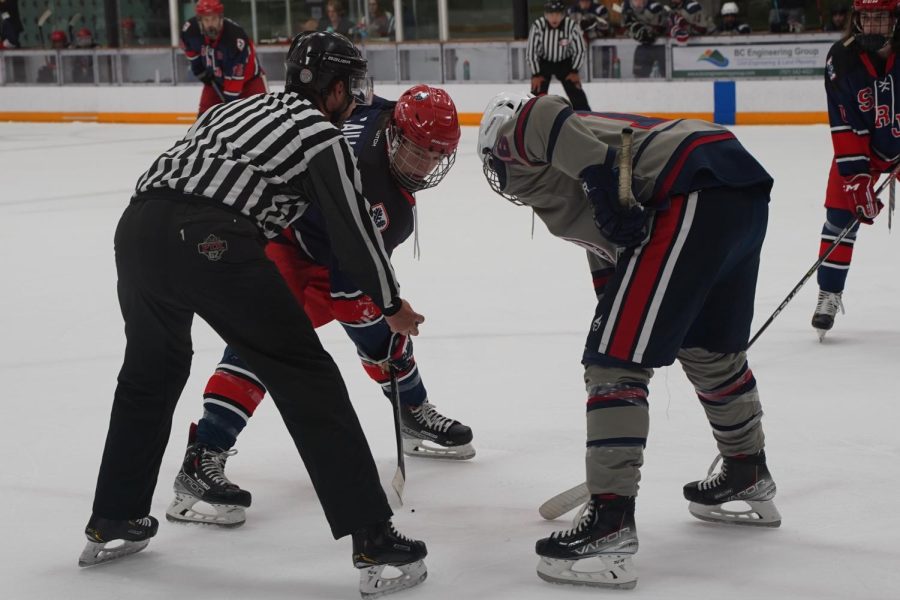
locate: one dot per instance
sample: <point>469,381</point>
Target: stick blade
<point>563,502</point>
<point>44,16</point>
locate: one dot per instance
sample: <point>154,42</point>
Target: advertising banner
<point>750,60</point>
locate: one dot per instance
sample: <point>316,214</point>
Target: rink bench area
<point>742,102</point>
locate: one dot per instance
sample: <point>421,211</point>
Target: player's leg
<point>575,91</point>
<point>426,432</point>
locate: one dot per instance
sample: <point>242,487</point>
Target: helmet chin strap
<point>337,116</point>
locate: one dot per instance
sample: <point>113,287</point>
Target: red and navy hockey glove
<point>860,189</point>
<point>623,226</point>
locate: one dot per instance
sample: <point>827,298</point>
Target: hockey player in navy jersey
<point>861,72</point>
<point>674,253</point>
<point>401,147</point>
<point>222,56</point>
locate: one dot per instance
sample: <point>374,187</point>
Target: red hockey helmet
<point>874,23</point>
<point>423,137</point>
<point>875,5</point>
<point>209,7</point>
<point>59,36</point>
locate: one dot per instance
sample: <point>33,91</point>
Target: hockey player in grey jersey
<point>675,274</point>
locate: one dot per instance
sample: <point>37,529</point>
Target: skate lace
<point>213,465</point>
<point>829,303</point>
<point>397,534</point>
<point>429,416</point>
<point>587,517</point>
<point>713,479</point>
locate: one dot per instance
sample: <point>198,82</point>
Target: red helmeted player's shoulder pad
<point>191,28</point>
<point>234,36</point>
<point>841,59</point>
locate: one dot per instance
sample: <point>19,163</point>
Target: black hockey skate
<point>826,309</point>
<point>202,479</point>
<point>606,535</point>
<point>380,545</point>
<point>134,535</point>
<point>429,434</point>
<point>745,479</point>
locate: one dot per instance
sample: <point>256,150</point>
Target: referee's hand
<point>536,82</point>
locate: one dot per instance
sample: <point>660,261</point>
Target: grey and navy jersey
<point>554,45</point>
<point>547,147</point>
<point>269,157</point>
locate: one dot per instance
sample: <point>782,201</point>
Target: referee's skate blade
<point>374,583</point>
<point>96,553</point>
<point>428,449</point>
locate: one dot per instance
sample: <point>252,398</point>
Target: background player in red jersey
<point>401,147</point>
<point>860,75</point>
<point>222,56</point>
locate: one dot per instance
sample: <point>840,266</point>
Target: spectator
<point>48,72</point>
<point>787,16</point>
<point>129,37</point>
<point>556,48</point>
<point>334,20</point>
<point>592,18</point>
<point>838,19</point>
<point>644,21</point>
<point>687,18</point>
<point>729,24</point>
<point>380,25</point>
<point>222,56</point>
<point>10,24</point>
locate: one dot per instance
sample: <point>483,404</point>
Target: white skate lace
<point>829,303</point>
<point>587,516</point>
<point>430,417</point>
<point>213,465</point>
<point>396,533</point>
<point>713,479</point>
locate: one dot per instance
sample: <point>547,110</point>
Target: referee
<point>556,47</point>
<point>191,242</point>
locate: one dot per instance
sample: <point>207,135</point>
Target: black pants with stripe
<point>692,284</point>
<point>176,259</point>
<point>561,70</point>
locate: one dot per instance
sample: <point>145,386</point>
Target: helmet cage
<point>414,167</point>
<point>495,173</point>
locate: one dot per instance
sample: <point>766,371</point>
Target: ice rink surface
<point>507,317</point>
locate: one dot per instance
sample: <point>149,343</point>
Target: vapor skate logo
<point>212,247</point>
<point>600,544</point>
<point>714,57</point>
<point>380,217</point>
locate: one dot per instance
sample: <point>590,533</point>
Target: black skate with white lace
<point>605,537</point>
<point>202,479</point>
<point>429,434</point>
<point>745,479</point>
<point>826,308</point>
<point>134,535</point>
<point>380,545</point>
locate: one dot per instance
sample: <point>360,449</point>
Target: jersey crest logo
<point>240,45</point>
<point>380,217</point>
<point>212,247</point>
<point>829,69</point>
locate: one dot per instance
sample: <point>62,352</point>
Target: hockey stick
<point>218,90</point>
<point>840,237</point>
<point>40,25</point>
<point>565,501</point>
<point>626,196</point>
<point>399,481</point>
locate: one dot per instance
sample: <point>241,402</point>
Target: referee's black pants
<point>561,70</point>
<point>177,258</point>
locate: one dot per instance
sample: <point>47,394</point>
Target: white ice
<point>507,317</point>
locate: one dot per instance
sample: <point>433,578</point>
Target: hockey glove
<point>207,76</point>
<point>623,226</point>
<point>860,189</point>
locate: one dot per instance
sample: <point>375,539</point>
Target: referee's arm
<point>336,189</point>
<point>532,50</point>
<point>576,43</point>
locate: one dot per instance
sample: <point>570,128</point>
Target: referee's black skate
<point>380,545</point>
<point>133,535</point>
<point>202,479</point>
<point>429,434</point>
<point>744,478</point>
<point>604,537</point>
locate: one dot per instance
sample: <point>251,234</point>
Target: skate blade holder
<point>96,553</point>
<point>187,509</point>
<point>379,580</point>
<point>738,512</point>
<point>427,449</point>
<point>611,571</point>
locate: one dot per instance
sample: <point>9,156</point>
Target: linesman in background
<point>556,47</point>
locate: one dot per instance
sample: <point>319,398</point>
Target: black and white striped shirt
<point>554,45</point>
<point>269,156</point>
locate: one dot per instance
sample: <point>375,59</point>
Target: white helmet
<point>729,8</point>
<point>501,109</point>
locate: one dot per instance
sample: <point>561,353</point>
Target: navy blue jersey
<point>231,57</point>
<point>862,109</point>
<point>391,205</point>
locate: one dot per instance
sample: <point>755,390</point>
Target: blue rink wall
<point>744,102</point>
